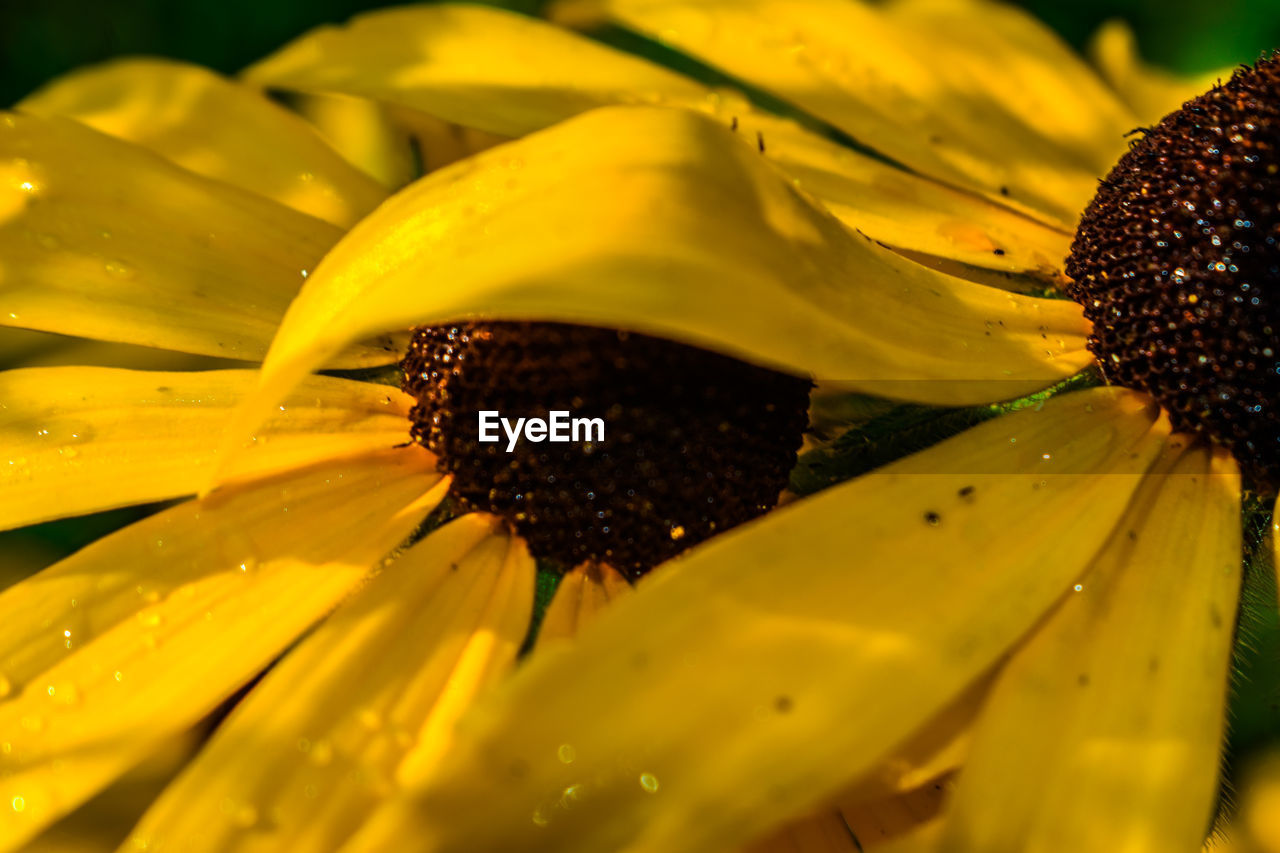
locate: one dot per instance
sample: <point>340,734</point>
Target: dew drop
<point>64,693</point>
<point>649,782</point>
<point>119,269</point>
<point>19,804</point>
<point>245,817</point>
<point>566,753</point>
<point>321,753</point>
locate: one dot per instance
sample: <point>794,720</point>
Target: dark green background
<point>41,40</point>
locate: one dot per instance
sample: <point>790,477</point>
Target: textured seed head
<point>1177,264</point>
<point>694,442</point>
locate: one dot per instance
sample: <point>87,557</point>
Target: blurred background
<point>40,40</point>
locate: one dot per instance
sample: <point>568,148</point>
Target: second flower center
<point>1177,264</point>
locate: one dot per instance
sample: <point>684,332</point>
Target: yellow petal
<point>395,144</point>
<point>316,746</point>
<point>1105,730</point>
<point>213,127</point>
<point>101,824</point>
<point>663,222</point>
<point>83,439</point>
<point>103,239</point>
<point>475,66</point>
<point>1257,795</point>
<point>823,833</point>
<point>928,84</point>
<point>907,211</point>
<point>939,747</point>
<point>748,681</point>
<point>1152,93</point>
<point>581,596</point>
<point>1275,538</point>
<point>28,348</point>
<point>139,635</point>
<point>465,68</point>
<point>363,133</point>
<point>895,818</point>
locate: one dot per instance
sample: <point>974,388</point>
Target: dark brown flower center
<point>1177,265</point>
<point>694,442</point>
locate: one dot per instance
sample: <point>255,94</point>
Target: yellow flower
<point>1048,598</point>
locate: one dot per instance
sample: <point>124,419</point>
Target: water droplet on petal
<point>119,269</point>
<point>64,693</point>
<point>245,817</point>
<point>321,753</point>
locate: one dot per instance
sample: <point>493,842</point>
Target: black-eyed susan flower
<point>1046,599</point>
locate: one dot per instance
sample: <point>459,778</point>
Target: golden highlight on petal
<point>913,581</point>
<point>141,634</point>
<point>82,439</point>
<point>663,222</point>
<point>318,744</point>
<point>214,127</point>
<point>103,239</point>
<point>1115,706</point>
